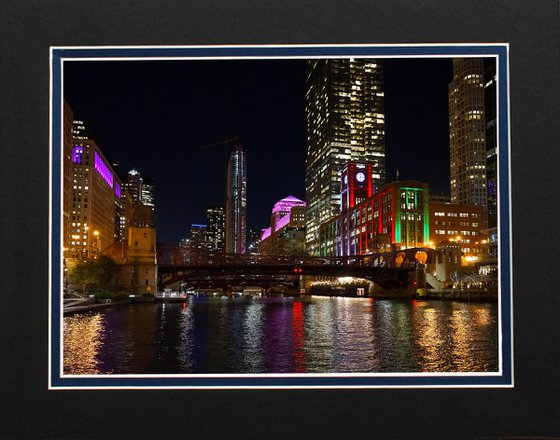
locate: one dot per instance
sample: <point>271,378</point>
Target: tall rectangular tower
<point>467,133</point>
<point>345,122</point>
<point>356,184</point>
<point>96,192</point>
<point>236,202</point>
<point>216,228</point>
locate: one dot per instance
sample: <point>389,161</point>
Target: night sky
<point>157,115</point>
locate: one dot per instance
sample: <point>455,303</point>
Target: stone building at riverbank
<point>136,256</point>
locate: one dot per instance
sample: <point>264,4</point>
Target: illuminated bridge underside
<point>389,269</point>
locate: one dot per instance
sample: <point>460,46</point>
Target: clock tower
<point>356,184</point>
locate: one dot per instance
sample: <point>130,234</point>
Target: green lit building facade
<point>396,217</point>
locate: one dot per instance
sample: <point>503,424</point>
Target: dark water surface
<point>283,335</point>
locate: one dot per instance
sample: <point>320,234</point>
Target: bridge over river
<point>200,267</point>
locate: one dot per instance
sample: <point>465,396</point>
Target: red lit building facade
<point>399,216</point>
<point>394,218</point>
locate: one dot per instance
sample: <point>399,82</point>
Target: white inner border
<point>284,375</point>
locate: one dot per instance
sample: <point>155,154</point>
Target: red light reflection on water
<point>298,335</point>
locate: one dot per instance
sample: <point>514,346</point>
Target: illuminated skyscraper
<point>216,228</point>
<point>236,202</point>
<point>141,189</point>
<point>467,133</point>
<point>96,195</point>
<point>198,236</point>
<point>345,122</point>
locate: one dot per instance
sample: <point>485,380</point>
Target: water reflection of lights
<point>429,336</point>
<point>298,336</point>
<point>321,333</point>
<point>82,341</point>
<point>355,337</point>
<point>483,317</point>
<point>462,334</point>
<point>284,335</point>
<point>186,344</point>
<point>253,333</point>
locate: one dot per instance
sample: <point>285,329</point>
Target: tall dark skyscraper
<point>236,202</point>
<point>345,122</point>
<point>467,133</point>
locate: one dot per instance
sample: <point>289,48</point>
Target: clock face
<point>360,177</point>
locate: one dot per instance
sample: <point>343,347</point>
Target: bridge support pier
<point>304,283</point>
<point>420,277</point>
<point>373,288</point>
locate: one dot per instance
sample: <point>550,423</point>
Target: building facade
<point>467,133</point>
<point>396,217</point>
<point>253,242</point>
<point>236,202</point>
<point>216,228</point>
<point>141,189</point>
<point>198,236</point>
<point>462,224</point>
<point>286,234</point>
<point>345,122</point>
<point>96,194</point>
<point>67,184</point>
<point>136,256</point>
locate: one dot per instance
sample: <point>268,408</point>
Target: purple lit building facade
<point>286,234</point>
<point>95,198</point>
<point>236,202</point>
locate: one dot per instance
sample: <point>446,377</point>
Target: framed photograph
<point>280,216</point>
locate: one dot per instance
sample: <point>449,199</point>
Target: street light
<point>98,239</point>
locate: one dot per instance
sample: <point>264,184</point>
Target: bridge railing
<point>179,256</point>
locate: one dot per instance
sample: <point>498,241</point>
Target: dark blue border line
<point>305,381</point>
<point>429,381</point>
<point>56,246</point>
<point>504,231</point>
<point>451,51</point>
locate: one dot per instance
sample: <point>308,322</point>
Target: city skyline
<point>124,124</point>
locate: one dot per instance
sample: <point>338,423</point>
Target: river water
<point>283,335</point>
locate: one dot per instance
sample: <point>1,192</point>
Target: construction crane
<point>225,142</point>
